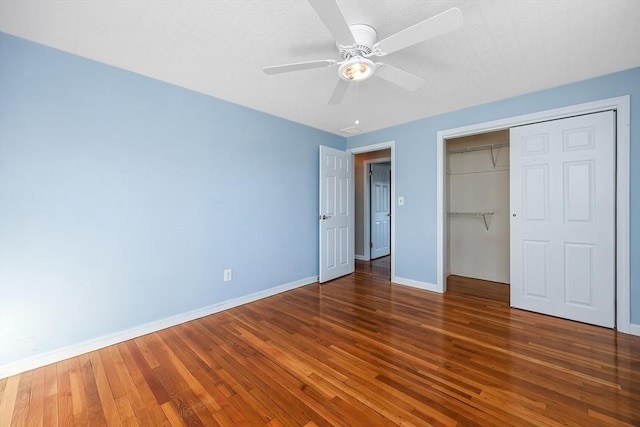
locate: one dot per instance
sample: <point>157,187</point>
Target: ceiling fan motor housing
<point>365,37</point>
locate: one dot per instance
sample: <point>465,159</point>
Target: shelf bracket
<point>484,218</point>
<point>493,159</point>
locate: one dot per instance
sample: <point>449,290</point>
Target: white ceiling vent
<point>351,130</point>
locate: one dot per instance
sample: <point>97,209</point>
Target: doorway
<point>477,193</point>
<point>621,106</point>
<point>548,216</point>
<point>364,157</point>
<point>362,168</point>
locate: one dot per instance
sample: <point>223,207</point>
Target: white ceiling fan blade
<point>399,77</point>
<point>338,92</point>
<point>297,66</point>
<point>331,15</point>
<point>446,21</point>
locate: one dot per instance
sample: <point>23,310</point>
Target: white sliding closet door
<point>563,218</point>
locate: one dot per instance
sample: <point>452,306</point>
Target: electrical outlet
<point>227,275</point>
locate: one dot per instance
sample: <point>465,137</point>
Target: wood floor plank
<point>148,355</point>
<point>35,417</point>
<point>105,391</point>
<point>139,365</point>
<point>354,351</point>
<point>197,378</point>
<point>207,370</point>
<point>288,388</point>
<point>9,395</point>
<point>23,397</point>
<point>111,373</point>
<point>169,352</point>
<point>147,407</point>
<point>176,388</point>
<point>80,408</point>
<point>125,411</point>
<point>173,415</point>
<point>65,402</point>
<point>50,389</point>
<point>120,373</point>
<point>96,412</point>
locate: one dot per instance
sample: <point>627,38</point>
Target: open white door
<point>336,214</point>
<point>380,210</point>
<point>563,218</point>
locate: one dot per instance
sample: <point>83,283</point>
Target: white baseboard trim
<point>74,350</point>
<point>634,329</point>
<point>415,284</point>
<point>361,257</point>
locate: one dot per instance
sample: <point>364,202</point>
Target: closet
<point>478,206</point>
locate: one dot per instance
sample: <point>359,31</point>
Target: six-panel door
<point>336,214</point>
<point>563,218</point>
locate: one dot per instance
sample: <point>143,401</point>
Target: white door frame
<point>622,106</point>
<point>377,147</point>
<point>366,208</point>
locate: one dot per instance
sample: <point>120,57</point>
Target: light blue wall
<point>416,168</point>
<point>122,199</point>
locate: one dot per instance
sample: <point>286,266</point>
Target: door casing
<point>377,147</point>
<point>622,107</point>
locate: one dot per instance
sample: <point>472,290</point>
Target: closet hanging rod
<point>478,148</point>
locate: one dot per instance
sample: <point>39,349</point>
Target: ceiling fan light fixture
<point>356,69</point>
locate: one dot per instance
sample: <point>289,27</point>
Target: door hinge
<point>370,244</point>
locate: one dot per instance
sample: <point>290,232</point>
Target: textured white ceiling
<point>505,48</point>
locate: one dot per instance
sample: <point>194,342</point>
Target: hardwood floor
<point>478,288</point>
<point>355,351</point>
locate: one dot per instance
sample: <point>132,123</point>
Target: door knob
<point>323,217</point>
<point>388,214</point>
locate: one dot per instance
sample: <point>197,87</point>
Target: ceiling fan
<point>358,43</point>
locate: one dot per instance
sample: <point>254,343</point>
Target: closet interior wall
<point>478,206</point>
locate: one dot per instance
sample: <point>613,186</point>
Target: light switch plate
<point>401,201</point>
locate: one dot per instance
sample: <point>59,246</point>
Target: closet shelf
<point>490,147</point>
<point>484,216</point>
